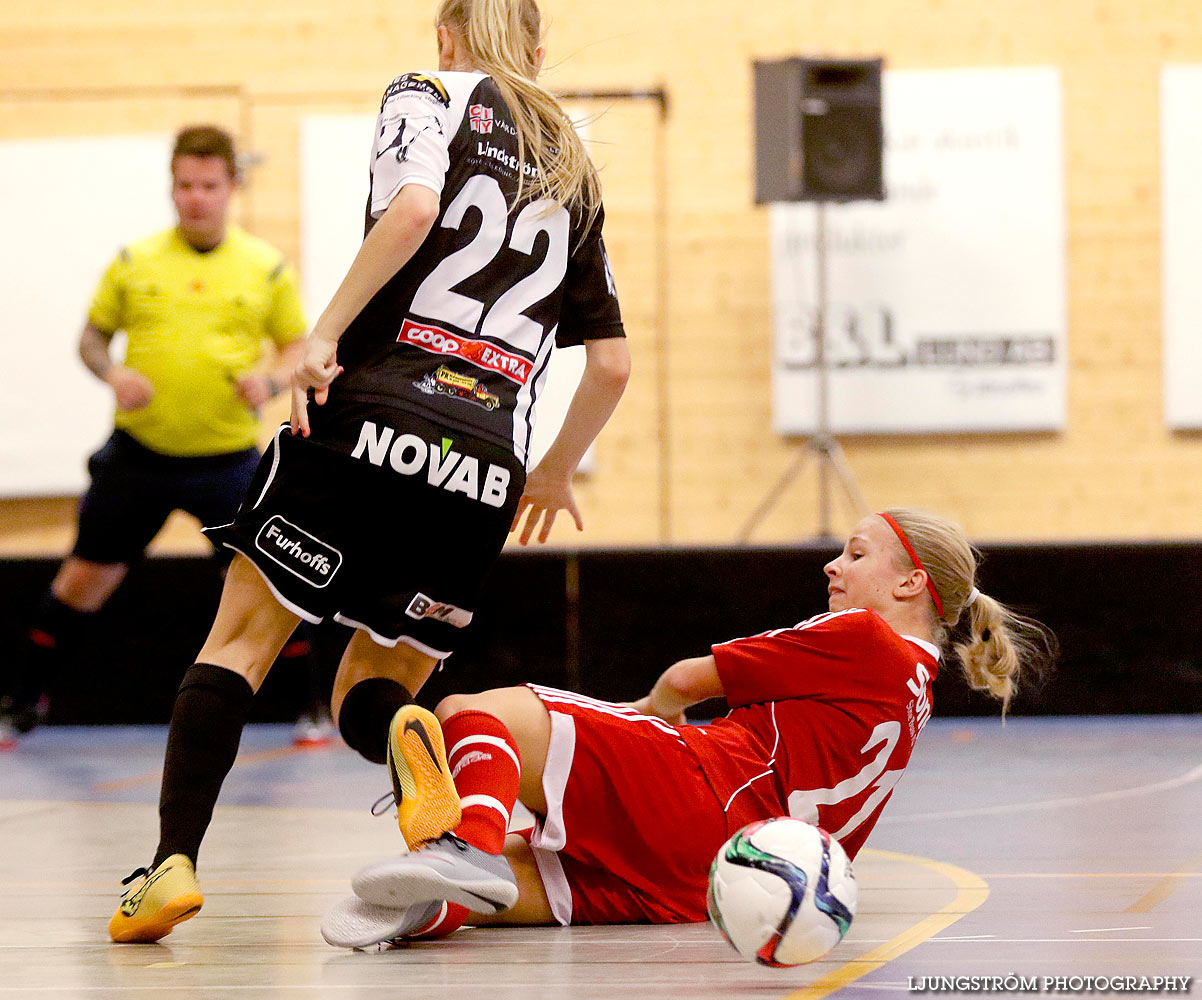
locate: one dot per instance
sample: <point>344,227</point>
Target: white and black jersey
<point>464,331</point>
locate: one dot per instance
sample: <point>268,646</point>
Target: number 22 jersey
<point>463,333</point>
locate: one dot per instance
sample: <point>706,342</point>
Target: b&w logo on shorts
<point>298,551</point>
<point>426,607</point>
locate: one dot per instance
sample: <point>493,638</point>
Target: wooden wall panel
<point>691,452</point>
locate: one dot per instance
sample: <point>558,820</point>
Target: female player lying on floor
<point>631,803</point>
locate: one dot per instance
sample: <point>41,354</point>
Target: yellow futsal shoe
<point>168,895</point>
<point>427,803</point>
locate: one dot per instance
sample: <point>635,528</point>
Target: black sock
<point>366,713</point>
<point>206,727</point>
<point>54,635</point>
<point>298,660</point>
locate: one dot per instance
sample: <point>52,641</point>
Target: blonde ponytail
<point>1001,646</point>
<point>501,37</point>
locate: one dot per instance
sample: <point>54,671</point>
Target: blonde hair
<point>501,38</point>
<point>1000,645</point>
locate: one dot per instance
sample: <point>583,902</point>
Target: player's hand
<point>644,707</point>
<point>317,368</point>
<point>132,389</point>
<point>545,495</point>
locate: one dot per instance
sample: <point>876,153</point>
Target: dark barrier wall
<point>607,622</point>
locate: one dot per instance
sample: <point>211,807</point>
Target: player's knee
<point>85,586</point>
<point>455,703</point>
<point>496,701</point>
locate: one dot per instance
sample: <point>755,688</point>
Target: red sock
<point>487,769</point>
<point>450,918</point>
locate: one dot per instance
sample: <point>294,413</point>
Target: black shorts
<point>133,491</point>
<point>381,520</point>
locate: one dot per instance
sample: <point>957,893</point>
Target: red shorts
<point>632,825</point>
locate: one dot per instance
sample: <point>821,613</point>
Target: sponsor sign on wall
<point>68,205</point>
<point>946,302</point>
<point>1181,235</point>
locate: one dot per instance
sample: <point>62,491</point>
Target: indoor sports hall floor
<point>1050,847</point>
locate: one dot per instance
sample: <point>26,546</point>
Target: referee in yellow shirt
<point>197,303</point>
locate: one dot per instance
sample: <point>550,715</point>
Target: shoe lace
<point>136,873</point>
<point>457,842</point>
<point>383,803</point>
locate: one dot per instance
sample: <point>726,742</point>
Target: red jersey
<point>823,719</point>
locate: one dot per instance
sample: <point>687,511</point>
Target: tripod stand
<point>822,445</point>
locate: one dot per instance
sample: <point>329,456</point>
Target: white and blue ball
<point>782,892</point>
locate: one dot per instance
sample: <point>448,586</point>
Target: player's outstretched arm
<point>685,683</point>
<point>549,484</point>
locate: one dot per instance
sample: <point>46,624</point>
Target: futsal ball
<point>782,892</point>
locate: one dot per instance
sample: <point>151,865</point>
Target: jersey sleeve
<point>590,299</point>
<point>808,660</point>
<point>413,135</point>
<point>107,311</point>
<point>286,315</point>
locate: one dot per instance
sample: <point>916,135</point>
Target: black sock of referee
<point>206,727</point>
<point>54,636</point>
<point>298,659</point>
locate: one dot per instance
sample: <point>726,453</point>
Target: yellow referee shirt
<point>195,321</point>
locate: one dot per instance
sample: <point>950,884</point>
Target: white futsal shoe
<point>447,868</point>
<point>352,923</point>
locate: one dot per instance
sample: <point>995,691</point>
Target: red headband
<point>901,536</point>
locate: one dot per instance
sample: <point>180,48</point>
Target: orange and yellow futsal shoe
<point>168,895</point>
<point>427,803</point>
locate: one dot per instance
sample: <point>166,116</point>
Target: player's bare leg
<point>250,627</point>
<point>365,659</point>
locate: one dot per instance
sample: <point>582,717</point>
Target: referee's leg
<point>57,630</point>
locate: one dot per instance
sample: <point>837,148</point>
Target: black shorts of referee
<point>133,490</point>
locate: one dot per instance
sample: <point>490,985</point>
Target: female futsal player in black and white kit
<point>383,505</point>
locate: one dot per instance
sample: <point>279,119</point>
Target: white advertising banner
<point>946,302</point>
<point>68,205</point>
<point>1181,235</point>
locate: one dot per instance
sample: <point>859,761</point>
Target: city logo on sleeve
<point>481,118</point>
<point>444,467</point>
<point>297,551</point>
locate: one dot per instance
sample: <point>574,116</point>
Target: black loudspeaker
<point>818,130</point>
